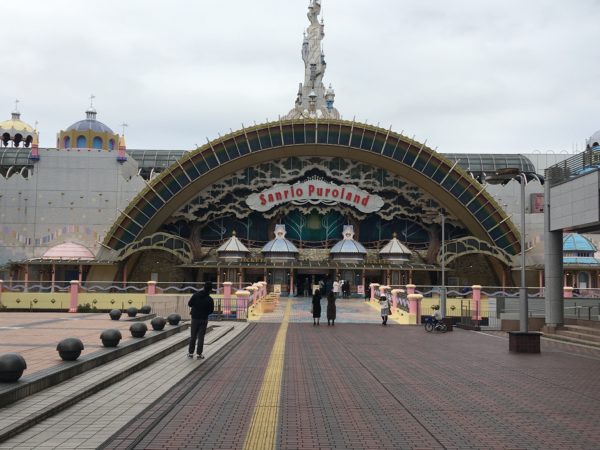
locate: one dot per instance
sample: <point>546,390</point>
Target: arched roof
<point>450,185</point>
<point>69,250</point>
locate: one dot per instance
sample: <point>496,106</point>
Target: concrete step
<point>579,335</point>
<point>582,329</point>
<point>572,340</point>
<point>33,409</point>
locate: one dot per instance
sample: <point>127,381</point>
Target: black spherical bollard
<point>12,366</point>
<point>138,329</point>
<point>115,314</point>
<point>132,312</point>
<point>174,319</point>
<point>111,337</point>
<point>69,349</point>
<point>146,309</point>
<point>158,323</point>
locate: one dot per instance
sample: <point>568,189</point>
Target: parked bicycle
<point>431,325</point>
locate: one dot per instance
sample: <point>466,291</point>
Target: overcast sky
<point>467,75</point>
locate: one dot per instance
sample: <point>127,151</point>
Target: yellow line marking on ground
<point>263,427</point>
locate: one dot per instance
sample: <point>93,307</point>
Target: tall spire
<point>313,100</point>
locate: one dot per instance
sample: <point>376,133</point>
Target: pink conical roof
<point>69,250</point>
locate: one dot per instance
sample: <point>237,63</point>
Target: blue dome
<point>576,242</point>
<point>90,123</point>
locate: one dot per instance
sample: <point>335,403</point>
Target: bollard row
<point>12,365</point>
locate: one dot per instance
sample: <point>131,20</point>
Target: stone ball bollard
<point>132,312</point>
<point>174,319</point>
<point>146,309</point>
<point>158,323</point>
<point>69,349</point>
<point>138,329</point>
<point>12,366</point>
<point>111,337</point>
<point>115,314</point>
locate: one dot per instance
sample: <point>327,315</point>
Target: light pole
<point>443,287</point>
<point>503,177</point>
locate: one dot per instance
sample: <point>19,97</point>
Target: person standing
<point>384,305</point>
<point>336,288</point>
<point>202,306</point>
<point>307,287</point>
<point>331,309</point>
<point>316,307</point>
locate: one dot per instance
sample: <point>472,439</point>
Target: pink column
<point>227,297</point>
<point>26,278</point>
<point>414,307</point>
<point>374,287</point>
<point>476,312</point>
<point>151,287</point>
<point>1,289</point>
<point>568,292</point>
<point>241,304</point>
<point>53,282</point>
<point>395,293</point>
<point>383,291</point>
<point>410,289</point>
<point>74,296</point>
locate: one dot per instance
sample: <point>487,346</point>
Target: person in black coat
<point>316,307</point>
<point>202,306</point>
<point>331,309</point>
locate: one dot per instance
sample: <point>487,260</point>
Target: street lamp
<point>502,177</point>
<point>443,287</point>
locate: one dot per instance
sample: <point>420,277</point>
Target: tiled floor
<point>348,311</point>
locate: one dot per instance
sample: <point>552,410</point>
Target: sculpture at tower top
<point>313,100</point>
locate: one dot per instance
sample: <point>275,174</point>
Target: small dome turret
<point>348,249</point>
<point>594,140</point>
<point>232,249</point>
<point>16,131</point>
<point>88,133</point>
<point>395,251</point>
<point>280,248</point>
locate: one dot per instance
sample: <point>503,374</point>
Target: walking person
<point>202,306</point>
<point>384,305</point>
<point>316,307</point>
<point>331,309</point>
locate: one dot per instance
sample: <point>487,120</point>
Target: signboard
<point>537,203</point>
<point>314,192</point>
<point>277,288</point>
<point>360,289</point>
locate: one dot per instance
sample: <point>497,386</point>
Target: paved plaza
<point>283,383</point>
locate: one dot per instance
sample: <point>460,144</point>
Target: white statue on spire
<point>313,100</point>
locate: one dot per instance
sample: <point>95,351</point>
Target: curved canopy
<point>450,185</point>
<point>69,250</point>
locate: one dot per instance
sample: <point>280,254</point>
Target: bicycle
<point>438,326</point>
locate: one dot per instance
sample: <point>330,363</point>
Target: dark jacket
<point>202,305</point>
<point>316,305</point>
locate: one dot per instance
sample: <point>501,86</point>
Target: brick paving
<point>363,386</point>
<point>35,335</point>
<point>352,386</point>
